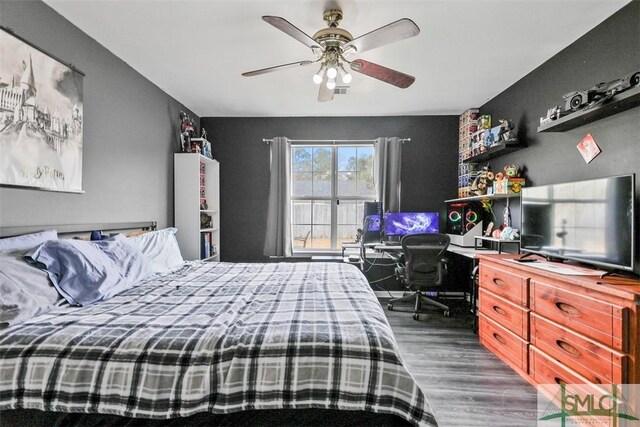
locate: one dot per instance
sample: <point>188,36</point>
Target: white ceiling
<point>466,53</point>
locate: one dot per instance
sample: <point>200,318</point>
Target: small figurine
<point>509,233</point>
<point>511,171</point>
<point>500,184</point>
<point>480,183</point>
<point>203,133</point>
<point>506,130</point>
<point>484,122</point>
<point>489,229</point>
<point>187,130</point>
<point>514,181</point>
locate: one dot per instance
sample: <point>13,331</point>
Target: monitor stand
<point>392,240</point>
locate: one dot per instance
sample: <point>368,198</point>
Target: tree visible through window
<point>329,186</point>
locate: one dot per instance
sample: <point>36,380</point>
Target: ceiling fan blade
<point>325,94</point>
<point>276,68</point>
<point>384,74</point>
<point>287,27</point>
<point>399,30</point>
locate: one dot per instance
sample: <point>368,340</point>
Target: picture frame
<point>589,148</point>
<point>41,118</point>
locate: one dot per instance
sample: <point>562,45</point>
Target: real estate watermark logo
<point>611,405</point>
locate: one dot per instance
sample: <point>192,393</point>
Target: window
<point>329,184</point>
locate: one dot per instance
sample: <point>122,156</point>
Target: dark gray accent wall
<point>428,166</point>
<point>129,136</point>
<point>609,51</point>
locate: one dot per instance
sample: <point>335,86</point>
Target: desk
<point>472,254</point>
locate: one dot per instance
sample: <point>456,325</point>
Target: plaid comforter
<point>215,337</point>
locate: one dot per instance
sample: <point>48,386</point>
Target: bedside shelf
<point>618,103</point>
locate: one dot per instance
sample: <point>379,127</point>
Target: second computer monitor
<point>403,223</point>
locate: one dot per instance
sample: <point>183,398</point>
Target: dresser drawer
<point>506,313</point>
<point>506,284</point>
<point>597,363</point>
<point>505,344</point>
<point>545,370</point>
<point>599,320</point>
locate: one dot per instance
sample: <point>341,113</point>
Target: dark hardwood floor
<point>465,383</point>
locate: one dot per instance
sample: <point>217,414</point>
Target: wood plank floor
<point>465,383</point>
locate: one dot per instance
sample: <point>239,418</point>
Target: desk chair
<point>424,269</point>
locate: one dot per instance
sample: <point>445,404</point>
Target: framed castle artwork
<point>41,118</point>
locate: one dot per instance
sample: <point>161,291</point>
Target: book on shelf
<point>205,245</point>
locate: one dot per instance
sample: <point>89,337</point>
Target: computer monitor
<point>403,223</point>
<point>371,222</point>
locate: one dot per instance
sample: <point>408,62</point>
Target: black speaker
<point>462,217</point>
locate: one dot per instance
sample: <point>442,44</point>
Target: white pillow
<point>161,249</point>
<point>26,242</point>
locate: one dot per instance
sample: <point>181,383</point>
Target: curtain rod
<point>269,140</point>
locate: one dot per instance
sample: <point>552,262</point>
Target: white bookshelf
<point>187,204</point>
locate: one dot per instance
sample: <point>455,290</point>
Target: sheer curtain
<point>278,236</point>
<point>388,160</point>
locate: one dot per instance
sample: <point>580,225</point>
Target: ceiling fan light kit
<point>332,46</point>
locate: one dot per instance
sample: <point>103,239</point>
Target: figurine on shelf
<point>507,133</point>
<point>480,183</point>
<point>203,133</point>
<point>206,149</point>
<point>187,130</point>
<point>499,184</point>
<point>489,229</point>
<point>509,233</point>
<point>514,181</point>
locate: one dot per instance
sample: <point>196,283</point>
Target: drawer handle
<point>499,339</point>
<point>560,381</point>
<point>499,282</point>
<point>568,348</point>
<point>568,309</point>
<point>499,310</point>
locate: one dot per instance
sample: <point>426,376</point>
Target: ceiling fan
<point>332,46</point>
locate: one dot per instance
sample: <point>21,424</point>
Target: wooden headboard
<point>79,229</point>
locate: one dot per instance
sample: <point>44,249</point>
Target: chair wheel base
<point>390,307</point>
<point>446,313</point>
<point>416,316</point>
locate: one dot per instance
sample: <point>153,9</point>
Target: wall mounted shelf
<point>618,103</point>
<point>496,150</point>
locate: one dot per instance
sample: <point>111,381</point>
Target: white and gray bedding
<point>219,338</point>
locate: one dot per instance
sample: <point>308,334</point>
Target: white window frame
<point>333,198</point>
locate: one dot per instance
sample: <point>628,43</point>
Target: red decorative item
<point>589,148</point>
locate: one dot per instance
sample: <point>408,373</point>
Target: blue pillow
<point>26,241</point>
<point>87,272</point>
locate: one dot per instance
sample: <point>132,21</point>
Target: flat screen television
<point>403,223</point>
<point>587,221</point>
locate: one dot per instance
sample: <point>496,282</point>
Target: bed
<point>215,338</point>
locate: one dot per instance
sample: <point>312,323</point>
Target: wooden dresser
<point>554,328</point>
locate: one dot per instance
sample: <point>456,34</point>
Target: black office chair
<point>424,269</point>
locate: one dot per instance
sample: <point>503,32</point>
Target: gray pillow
<point>25,291</point>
